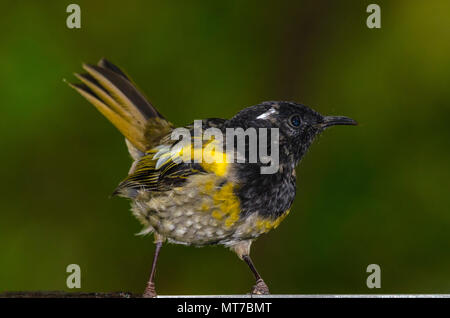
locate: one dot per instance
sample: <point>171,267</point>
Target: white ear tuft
<point>267,113</point>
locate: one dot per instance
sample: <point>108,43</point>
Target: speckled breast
<point>204,211</point>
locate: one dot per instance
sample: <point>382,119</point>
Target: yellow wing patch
<point>209,156</point>
<point>163,166</point>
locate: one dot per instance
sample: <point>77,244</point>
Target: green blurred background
<point>376,193</point>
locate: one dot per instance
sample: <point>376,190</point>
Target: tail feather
<point>129,131</point>
<point>107,64</point>
<point>114,95</point>
<point>120,89</point>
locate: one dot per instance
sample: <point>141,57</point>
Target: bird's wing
<point>170,164</point>
<point>117,98</point>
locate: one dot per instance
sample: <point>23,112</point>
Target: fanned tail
<point>113,94</point>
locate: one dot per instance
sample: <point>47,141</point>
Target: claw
<point>260,288</point>
<point>150,291</point>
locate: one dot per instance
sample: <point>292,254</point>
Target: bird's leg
<point>150,291</point>
<point>242,249</point>
<point>260,288</point>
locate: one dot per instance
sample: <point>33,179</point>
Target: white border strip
<point>313,296</point>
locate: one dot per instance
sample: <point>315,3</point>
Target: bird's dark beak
<point>329,121</point>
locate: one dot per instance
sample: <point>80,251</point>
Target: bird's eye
<point>295,121</point>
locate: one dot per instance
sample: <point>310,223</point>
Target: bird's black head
<point>298,125</point>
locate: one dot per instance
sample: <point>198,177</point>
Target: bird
<point>221,201</point>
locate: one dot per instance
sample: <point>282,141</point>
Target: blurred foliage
<point>376,193</point>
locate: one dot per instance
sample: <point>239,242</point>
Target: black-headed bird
<point>216,200</point>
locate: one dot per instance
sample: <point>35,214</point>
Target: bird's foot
<point>150,291</point>
<point>260,288</point>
